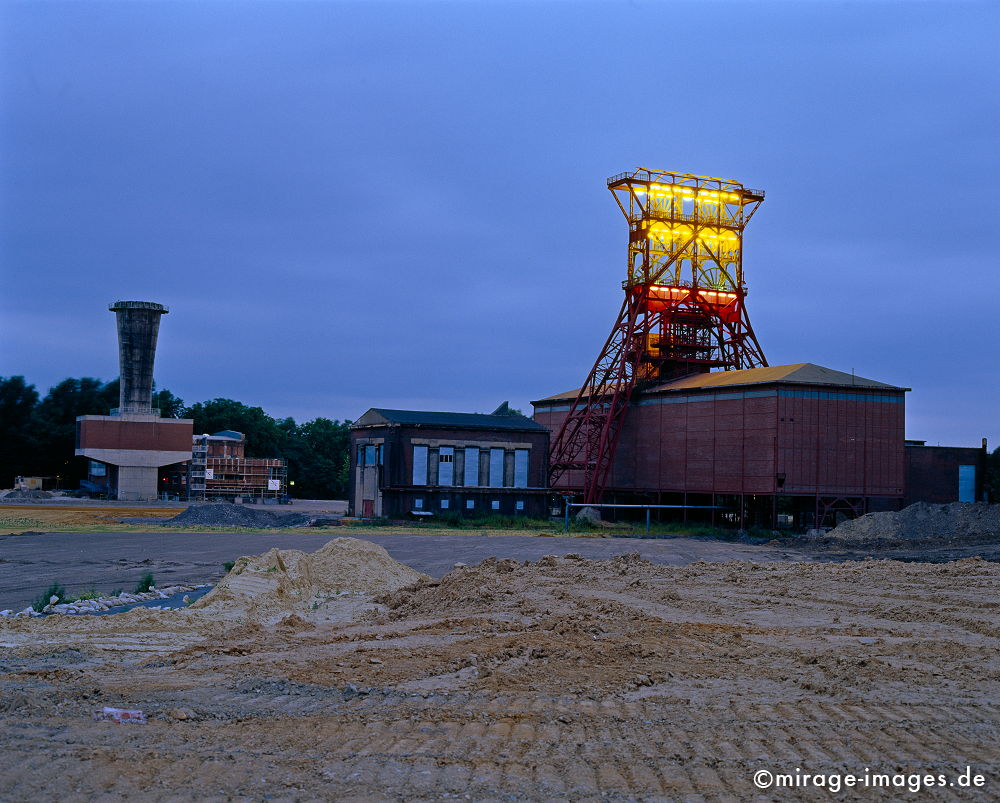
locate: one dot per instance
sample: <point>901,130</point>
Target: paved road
<point>109,561</point>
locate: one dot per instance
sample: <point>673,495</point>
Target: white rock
<point>186,599</point>
<point>7,612</point>
<point>53,599</point>
<point>28,611</point>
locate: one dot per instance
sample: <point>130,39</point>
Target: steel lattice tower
<point>683,311</point>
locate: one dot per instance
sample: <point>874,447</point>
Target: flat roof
<point>801,373</point>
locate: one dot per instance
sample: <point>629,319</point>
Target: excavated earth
<point>346,675</point>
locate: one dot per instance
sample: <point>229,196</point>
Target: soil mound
<point>222,514</point>
<point>921,523</point>
<point>284,580</point>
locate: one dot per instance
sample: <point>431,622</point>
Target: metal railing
<point>647,508</point>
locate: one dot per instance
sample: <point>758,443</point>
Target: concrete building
<point>799,445</point>
<point>418,463</point>
<point>133,443</point>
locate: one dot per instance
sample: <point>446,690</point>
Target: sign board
<point>209,473</point>
<point>274,485</point>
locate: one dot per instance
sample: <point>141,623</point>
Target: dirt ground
<point>565,678</point>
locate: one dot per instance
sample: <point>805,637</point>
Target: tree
<point>168,404</point>
<point>264,437</point>
<point>17,443</point>
<point>54,423</point>
<point>316,459</point>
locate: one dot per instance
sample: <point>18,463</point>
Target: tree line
<point>38,434</point>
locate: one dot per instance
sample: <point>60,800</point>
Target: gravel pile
<point>10,496</point>
<point>227,515</point>
<point>957,523</point>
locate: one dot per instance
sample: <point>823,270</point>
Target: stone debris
<point>102,604</point>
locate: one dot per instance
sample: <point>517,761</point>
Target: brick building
<point>798,445</point>
<point>418,463</point>
<point>942,474</point>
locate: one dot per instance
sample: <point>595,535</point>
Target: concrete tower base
<point>137,483</point>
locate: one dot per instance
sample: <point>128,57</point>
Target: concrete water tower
<point>133,441</point>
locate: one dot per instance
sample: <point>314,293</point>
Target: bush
<point>55,590</point>
<point>146,583</point>
<point>228,565</point>
<point>90,593</point>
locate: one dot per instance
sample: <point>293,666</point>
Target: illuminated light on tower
<point>683,311</point>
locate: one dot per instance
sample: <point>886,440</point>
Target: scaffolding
<point>229,477</point>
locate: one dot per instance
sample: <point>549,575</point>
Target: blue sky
<point>404,204</point>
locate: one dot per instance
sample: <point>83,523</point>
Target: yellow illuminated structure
<point>683,311</point>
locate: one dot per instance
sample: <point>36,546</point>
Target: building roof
<point>802,373</point>
<point>225,434</point>
<point>378,416</point>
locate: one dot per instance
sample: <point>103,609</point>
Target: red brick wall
<point>739,445</point>
<point>164,435</point>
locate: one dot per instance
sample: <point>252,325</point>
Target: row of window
<point>470,504</point>
<point>470,467</point>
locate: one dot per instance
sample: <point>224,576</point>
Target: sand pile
<point>509,586</point>
<point>223,514</point>
<point>283,580</point>
<point>921,523</point>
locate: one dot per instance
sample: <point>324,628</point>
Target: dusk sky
<point>354,205</point>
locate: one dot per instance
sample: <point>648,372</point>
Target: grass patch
<point>18,523</point>
<point>55,590</point>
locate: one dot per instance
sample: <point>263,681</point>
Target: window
<point>418,503</point>
<point>495,504</point>
<point>419,465</point>
<point>471,466</point>
<point>519,504</point>
<point>446,465</point>
<point>520,468</point>
<point>370,459</point>
<point>470,504</point>
<point>496,468</point>
<point>444,504</point>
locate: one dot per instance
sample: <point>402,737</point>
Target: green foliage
<point>55,590</point>
<point>90,593</point>
<point>117,592</point>
<point>17,438</point>
<point>146,583</point>
<point>264,437</point>
<point>228,565</point>
<point>38,437</point>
